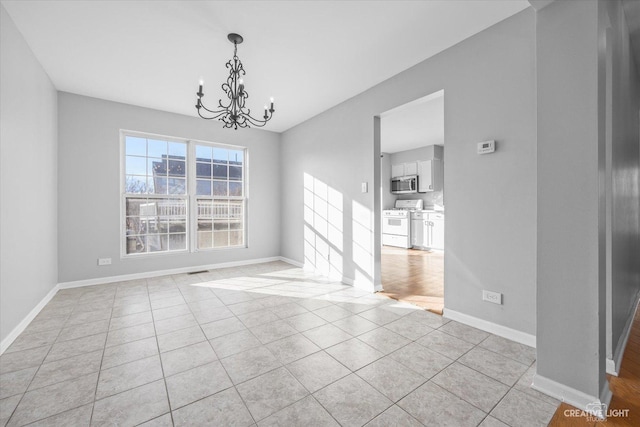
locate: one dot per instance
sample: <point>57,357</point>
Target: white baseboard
<point>156,273</point>
<point>378,287</point>
<point>580,400</point>
<point>9,339</point>
<point>613,364</point>
<point>605,397</point>
<point>291,261</point>
<point>364,285</point>
<point>347,280</point>
<point>494,328</point>
<point>310,267</point>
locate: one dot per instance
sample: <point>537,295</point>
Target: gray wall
<point>409,155</point>
<point>89,192</point>
<point>417,154</point>
<point>625,176</point>
<point>489,85</point>
<point>588,190</point>
<point>28,179</point>
<point>570,289</point>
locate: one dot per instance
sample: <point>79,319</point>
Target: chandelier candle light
<point>233,114</point>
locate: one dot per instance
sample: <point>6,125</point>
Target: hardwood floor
<point>414,276</point>
<point>625,389</point>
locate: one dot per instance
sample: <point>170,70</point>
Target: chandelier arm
<point>258,125</point>
<point>212,111</point>
<point>226,87</point>
<point>227,90</point>
<point>223,106</point>
<point>258,122</point>
<point>215,116</point>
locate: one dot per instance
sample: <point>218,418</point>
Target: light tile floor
<point>265,344</point>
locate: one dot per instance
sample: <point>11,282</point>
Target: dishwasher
<point>418,219</point>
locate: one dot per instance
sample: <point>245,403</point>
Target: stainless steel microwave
<point>404,184</point>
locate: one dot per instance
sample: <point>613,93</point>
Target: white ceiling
<point>413,125</point>
<point>309,55</point>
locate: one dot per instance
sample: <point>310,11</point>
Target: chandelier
<point>233,112</point>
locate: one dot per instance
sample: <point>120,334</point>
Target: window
<point>220,196</point>
<point>164,178</point>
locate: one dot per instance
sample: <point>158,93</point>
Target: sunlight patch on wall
<point>362,226</point>
<point>323,228</point>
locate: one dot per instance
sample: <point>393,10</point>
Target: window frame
<point>190,197</point>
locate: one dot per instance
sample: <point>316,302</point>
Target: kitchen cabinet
<point>397,170</point>
<point>432,231</point>
<point>411,168</point>
<point>427,230</point>
<point>430,175</point>
<point>418,233</point>
<point>436,225</point>
<point>404,169</point>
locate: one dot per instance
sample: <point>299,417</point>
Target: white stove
<point>395,213</point>
<point>396,223</point>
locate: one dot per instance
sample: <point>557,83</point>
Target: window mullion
<point>192,225</point>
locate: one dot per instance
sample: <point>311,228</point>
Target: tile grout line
<point>351,372</point>
<point>395,403</point>
<point>43,362</point>
<point>164,379</point>
<point>284,365</point>
<point>219,360</point>
<point>309,394</point>
<point>31,381</point>
<point>488,414</point>
<point>104,348</point>
<point>281,364</point>
<point>77,301</point>
<point>448,365</point>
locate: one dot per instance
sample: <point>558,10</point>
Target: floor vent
<point>198,272</point>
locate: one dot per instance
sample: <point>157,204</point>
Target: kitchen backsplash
<point>429,199</point>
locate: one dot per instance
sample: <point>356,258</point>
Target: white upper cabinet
<point>430,175</point>
<point>411,168</point>
<point>397,170</point>
<point>404,169</point>
<point>425,177</point>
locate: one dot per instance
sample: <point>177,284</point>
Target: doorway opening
<point>412,201</point>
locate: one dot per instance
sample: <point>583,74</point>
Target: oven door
<point>395,225</point>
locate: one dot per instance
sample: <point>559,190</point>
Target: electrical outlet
<point>104,261</point>
<point>494,297</point>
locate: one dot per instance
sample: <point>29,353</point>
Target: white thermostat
<point>486,147</point>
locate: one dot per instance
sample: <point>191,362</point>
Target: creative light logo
<point>597,411</point>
